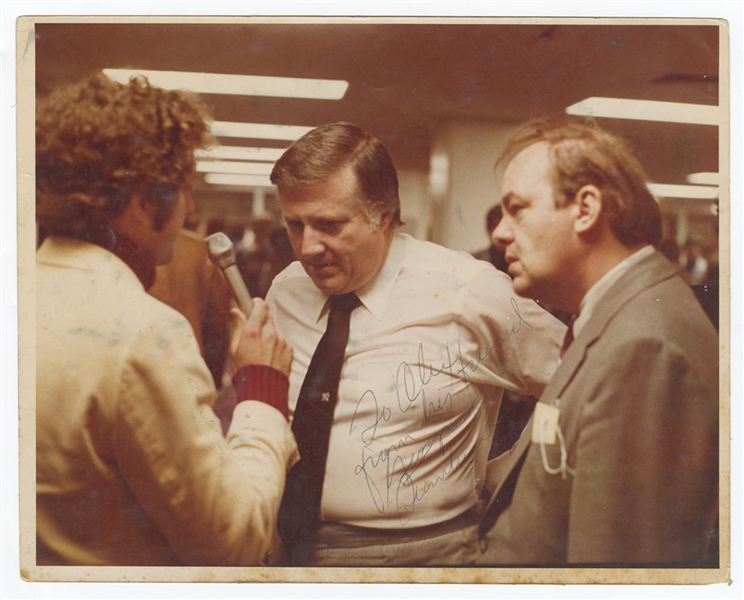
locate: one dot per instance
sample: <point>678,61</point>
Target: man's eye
<point>328,226</point>
<point>294,226</point>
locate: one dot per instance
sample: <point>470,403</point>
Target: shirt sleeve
<point>264,384</point>
<point>213,499</point>
<point>513,342</point>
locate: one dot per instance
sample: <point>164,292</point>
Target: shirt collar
<point>591,300</point>
<point>375,294</point>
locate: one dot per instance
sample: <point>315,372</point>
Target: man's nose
<point>312,242</point>
<point>502,234</point>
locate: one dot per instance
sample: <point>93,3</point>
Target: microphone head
<point>220,249</point>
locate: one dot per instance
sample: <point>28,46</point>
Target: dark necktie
<point>299,514</point>
<point>568,340</point>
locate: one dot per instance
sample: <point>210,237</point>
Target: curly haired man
<point>131,466</point>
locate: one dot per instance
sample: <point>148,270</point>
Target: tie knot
<point>345,302</point>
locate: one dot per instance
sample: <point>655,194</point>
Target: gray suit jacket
<point>632,477</point>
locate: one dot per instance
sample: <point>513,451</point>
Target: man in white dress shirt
<point>436,340</point>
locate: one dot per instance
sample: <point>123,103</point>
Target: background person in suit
<point>196,288</point>
<point>619,464</point>
<point>493,254</point>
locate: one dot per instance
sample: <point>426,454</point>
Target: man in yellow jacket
<point>132,468</point>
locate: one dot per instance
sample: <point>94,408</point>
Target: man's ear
<point>385,220</point>
<point>588,209</point>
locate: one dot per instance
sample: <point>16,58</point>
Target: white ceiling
<point>406,78</point>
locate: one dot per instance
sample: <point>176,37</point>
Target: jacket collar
<point>136,257</point>
<point>648,271</point>
<point>80,254</point>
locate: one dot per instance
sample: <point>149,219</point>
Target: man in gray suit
<point>619,463</point>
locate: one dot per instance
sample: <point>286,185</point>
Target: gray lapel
<point>647,272</point>
<point>639,277</point>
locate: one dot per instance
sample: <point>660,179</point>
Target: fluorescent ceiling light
<point>704,178</point>
<point>697,192</point>
<point>648,110</point>
<point>259,131</point>
<point>241,153</point>
<point>439,165</point>
<point>232,166</point>
<point>241,85</point>
<point>238,180</point>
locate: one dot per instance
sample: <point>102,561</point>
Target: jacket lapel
<point>648,271</point>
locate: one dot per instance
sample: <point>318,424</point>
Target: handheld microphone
<point>221,252</point>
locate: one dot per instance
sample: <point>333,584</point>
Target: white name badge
<point>545,424</point>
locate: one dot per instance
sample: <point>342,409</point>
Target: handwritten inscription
<point>439,390</point>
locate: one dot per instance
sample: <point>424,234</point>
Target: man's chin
<point>522,287</point>
<point>328,285</point>
<point>164,258</point>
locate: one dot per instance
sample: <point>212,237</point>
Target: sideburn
<point>162,197</point>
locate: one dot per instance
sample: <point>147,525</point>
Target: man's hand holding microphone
<point>254,340</point>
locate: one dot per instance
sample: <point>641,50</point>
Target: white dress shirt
<point>437,339</point>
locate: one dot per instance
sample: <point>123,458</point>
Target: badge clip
<point>545,424</point>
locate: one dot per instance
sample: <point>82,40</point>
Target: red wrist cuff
<point>265,384</point>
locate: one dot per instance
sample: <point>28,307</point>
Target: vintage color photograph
<point>375,300</point>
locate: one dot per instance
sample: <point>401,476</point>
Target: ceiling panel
<point>407,78</point>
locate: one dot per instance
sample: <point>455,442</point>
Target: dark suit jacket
<point>635,478</point>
